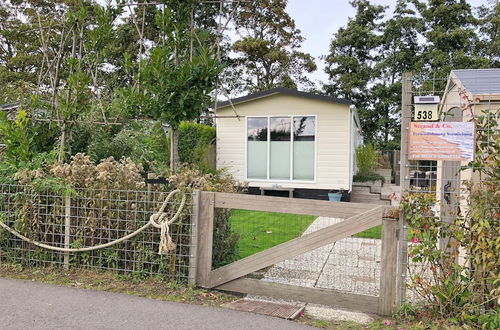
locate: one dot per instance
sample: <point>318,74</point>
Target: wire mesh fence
<point>89,217</point>
<point>350,265</point>
<point>453,198</point>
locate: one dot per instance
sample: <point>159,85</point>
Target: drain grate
<point>288,312</point>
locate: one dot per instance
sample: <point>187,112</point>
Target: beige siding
<point>332,139</point>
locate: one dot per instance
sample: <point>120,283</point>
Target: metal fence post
<point>67,227</point>
<point>388,266</point>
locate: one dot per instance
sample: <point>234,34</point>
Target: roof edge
<point>280,90</point>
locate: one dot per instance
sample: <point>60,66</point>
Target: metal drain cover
<point>288,312</point>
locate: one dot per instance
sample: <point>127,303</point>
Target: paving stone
<point>330,314</point>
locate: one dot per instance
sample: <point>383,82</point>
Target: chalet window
<point>281,148</point>
<point>257,147</point>
<point>304,136</point>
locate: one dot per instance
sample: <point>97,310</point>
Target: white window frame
<point>291,148</point>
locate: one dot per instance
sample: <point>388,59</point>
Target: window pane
<point>280,148</point>
<point>257,148</point>
<point>280,128</point>
<point>304,128</point>
<point>303,148</point>
<point>257,129</point>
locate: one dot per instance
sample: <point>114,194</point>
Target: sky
<point>319,19</point>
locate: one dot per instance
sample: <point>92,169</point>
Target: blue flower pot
<point>334,197</point>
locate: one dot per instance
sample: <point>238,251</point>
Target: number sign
<point>426,112</point>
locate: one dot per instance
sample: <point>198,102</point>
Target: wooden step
<point>370,201</point>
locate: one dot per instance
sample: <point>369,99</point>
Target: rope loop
<point>160,220</point>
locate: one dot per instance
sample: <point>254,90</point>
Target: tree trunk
<point>174,149</point>
<point>62,143</point>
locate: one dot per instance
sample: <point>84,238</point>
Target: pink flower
<point>414,240</point>
<point>388,322</point>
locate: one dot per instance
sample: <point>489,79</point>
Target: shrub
<point>225,240</point>
<point>366,159</point>
<point>195,145</point>
<point>368,177</point>
<point>81,172</point>
<point>16,137</point>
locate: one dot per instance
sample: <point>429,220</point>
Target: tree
<point>350,63</point>
<point>451,38</point>
<point>399,52</point>
<point>490,31</point>
<point>178,76</point>
<point>268,48</point>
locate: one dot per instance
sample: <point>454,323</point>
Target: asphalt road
<point>32,305</point>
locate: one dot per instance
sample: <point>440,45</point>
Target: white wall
<point>332,138</point>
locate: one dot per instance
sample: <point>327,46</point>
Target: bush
<point>366,159</point>
<point>368,177</point>
<point>16,136</point>
<point>225,240</point>
<point>195,145</point>
<point>81,172</point>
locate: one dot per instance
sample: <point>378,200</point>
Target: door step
<point>288,312</point>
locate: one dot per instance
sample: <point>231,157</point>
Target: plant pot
<point>334,197</point>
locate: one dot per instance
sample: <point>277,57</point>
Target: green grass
<point>262,230</point>
<point>375,232</point>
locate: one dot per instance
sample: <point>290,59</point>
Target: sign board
<point>452,141</point>
<point>426,112</point>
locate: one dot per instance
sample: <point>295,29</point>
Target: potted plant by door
<point>335,195</point>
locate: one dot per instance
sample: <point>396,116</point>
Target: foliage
<point>194,143</point>
<point>461,290</point>
<point>145,143</point>
<point>451,37</point>
<point>268,48</point>
<point>366,159</point>
<point>225,240</point>
<point>351,57</point>
<point>16,137</point>
<point>490,27</point>
<point>369,54</point>
<point>81,172</point>
<point>368,177</point>
<point>178,92</point>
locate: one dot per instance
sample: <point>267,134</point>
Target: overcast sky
<point>319,19</point>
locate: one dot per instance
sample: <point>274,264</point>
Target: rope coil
<point>157,220</point>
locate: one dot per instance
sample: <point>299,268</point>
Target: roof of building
<point>480,81</point>
<point>287,91</point>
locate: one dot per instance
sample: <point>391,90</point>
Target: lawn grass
<point>374,232</point>
<point>261,230</point>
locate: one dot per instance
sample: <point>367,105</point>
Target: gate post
<point>388,266</point>
<point>404,182</point>
<point>193,249</point>
<point>205,238</point>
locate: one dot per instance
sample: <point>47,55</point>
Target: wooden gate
<point>358,217</point>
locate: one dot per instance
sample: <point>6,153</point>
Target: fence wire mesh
<point>95,217</point>
<point>457,187</point>
<point>350,265</point>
